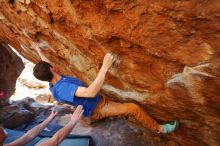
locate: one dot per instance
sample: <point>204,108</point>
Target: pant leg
<point>108,108</point>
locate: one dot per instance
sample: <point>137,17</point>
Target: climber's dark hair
<point>42,71</point>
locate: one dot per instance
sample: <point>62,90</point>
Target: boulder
<point>15,115</point>
<point>167,53</point>
<point>11,66</point>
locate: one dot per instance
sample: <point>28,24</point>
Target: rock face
<point>11,66</point>
<point>15,115</point>
<point>167,53</point>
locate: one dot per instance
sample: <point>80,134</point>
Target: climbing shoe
<point>170,127</point>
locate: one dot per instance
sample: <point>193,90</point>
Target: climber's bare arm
<point>96,85</point>
<point>64,132</point>
<point>31,134</point>
<point>41,54</point>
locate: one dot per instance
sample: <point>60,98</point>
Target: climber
<point>57,138</point>
<point>72,91</point>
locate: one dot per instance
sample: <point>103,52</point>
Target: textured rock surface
<point>168,53</point>
<point>15,115</point>
<point>11,66</point>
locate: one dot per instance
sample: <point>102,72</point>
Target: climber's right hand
<point>109,59</point>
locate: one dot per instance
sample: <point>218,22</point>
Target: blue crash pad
<point>71,140</point>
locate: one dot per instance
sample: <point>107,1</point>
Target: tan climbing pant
<point>109,108</point>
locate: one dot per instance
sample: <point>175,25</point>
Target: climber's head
<point>44,71</point>
<point>3,136</point>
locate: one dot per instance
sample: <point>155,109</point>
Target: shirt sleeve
<point>66,91</point>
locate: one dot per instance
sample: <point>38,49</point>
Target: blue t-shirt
<point>64,91</point>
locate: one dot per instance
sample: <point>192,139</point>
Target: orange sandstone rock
<point>167,53</point>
